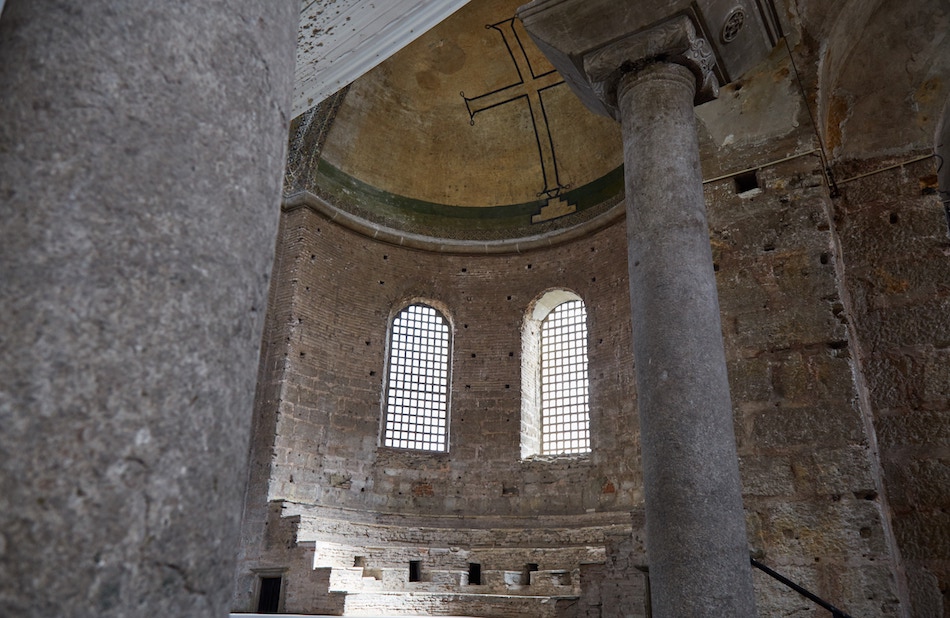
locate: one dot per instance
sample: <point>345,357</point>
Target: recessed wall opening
<point>565,420</point>
<point>415,570</point>
<point>268,601</point>
<point>416,404</point>
<point>359,561</point>
<point>474,574</point>
<point>747,181</point>
<point>529,568</point>
<point>555,415</point>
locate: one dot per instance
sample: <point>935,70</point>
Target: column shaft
<point>696,537</point>
<point>141,149</point>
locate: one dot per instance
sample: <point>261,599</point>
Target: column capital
<point>592,43</point>
<point>674,41</point>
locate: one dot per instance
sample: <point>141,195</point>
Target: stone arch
<point>531,402</point>
<point>418,378</point>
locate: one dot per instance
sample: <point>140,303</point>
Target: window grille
<point>417,393</point>
<point>565,418</point>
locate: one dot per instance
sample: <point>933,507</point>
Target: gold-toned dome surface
<point>469,134</point>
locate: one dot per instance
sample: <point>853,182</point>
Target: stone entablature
<point>674,41</point>
<point>592,42</point>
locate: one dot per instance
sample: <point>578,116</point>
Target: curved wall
<point>346,287</point>
<point>836,366</point>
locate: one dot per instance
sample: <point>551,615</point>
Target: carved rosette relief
<point>674,41</point>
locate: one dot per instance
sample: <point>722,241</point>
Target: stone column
<point>650,80</point>
<point>696,535</point>
<point>141,149</point>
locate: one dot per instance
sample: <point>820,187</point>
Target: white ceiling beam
<point>340,40</point>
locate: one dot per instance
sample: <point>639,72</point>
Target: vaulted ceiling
<point>467,134</point>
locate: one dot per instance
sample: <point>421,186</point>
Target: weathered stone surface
<point>843,471</point>
<point>800,530</point>
<point>924,429</point>
<point>918,483</point>
<point>775,599</point>
<point>696,536</point>
<point>925,588</point>
<point>140,151</point>
<point>823,426</point>
<point>893,238</point>
<point>766,476</point>
<point>903,115</point>
<point>924,535</point>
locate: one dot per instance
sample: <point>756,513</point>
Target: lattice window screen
<point>417,393</point>
<point>565,414</point>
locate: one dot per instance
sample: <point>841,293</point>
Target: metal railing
<point>837,613</point>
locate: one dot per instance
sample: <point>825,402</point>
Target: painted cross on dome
<point>529,87</point>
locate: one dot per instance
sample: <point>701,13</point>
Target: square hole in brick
<point>746,182</point>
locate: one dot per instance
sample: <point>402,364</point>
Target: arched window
<point>555,408</point>
<point>417,381</point>
<point>565,418</point>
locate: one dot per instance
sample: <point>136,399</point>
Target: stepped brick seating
<point>435,603</point>
<point>375,568</point>
<point>382,587</point>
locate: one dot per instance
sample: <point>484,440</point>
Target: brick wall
<point>347,287</point>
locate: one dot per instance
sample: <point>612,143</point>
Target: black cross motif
<point>530,90</point>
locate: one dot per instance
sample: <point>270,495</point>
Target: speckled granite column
<point>141,149</point>
<point>696,536</point>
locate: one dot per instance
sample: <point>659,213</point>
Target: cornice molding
<point>306,199</point>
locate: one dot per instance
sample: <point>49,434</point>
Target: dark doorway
<point>269,600</point>
<point>415,570</point>
<point>529,568</point>
<point>474,574</point>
